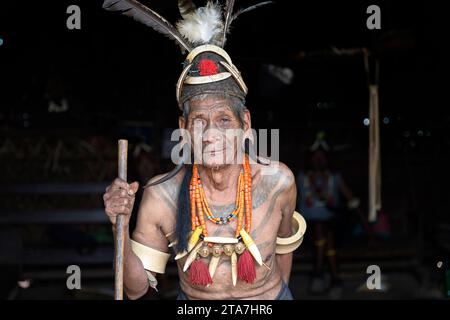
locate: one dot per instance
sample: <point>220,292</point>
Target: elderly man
<point>230,220</point>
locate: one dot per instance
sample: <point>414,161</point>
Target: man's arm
<point>134,275</point>
<point>287,205</point>
<point>147,231</point>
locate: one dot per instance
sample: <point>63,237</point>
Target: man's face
<point>216,132</point>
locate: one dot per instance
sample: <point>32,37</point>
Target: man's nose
<point>211,134</point>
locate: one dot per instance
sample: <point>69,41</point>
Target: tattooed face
<point>216,132</point>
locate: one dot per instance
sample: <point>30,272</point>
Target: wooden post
<point>374,197</point>
<point>120,237</point>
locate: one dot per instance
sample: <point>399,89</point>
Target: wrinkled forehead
<point>210,105</point>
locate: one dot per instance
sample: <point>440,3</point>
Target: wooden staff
<point>120,237</point>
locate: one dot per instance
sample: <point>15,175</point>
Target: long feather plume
<point>147,16</point>
<point>186,7</point>
<point>228,14</point>
<point>256,6</point>
<point>202,26</point>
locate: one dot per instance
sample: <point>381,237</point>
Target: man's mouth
<point>213,152</point>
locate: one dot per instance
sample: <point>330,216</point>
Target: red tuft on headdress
<point>207,67</point>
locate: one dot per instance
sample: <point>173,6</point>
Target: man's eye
<point>225,120</point>
<point>198,121</point>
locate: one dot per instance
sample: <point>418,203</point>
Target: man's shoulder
<point>276,170</point>
<point>173,182</point>
<point>164,194</point>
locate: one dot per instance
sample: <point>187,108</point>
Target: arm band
<point>153,260</point>
<point>287,245</point>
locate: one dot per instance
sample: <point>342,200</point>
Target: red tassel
<point>246,267</point>
<point>207,67</point>
<point>199,273</point>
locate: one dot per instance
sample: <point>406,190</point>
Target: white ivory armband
<point>287,245</point>
<point>152,260</point>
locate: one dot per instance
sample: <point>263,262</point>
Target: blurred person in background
<point>319,196</point>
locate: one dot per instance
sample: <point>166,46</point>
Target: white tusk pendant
<point>193,239</point>
<point>181,255</point>
<point>192,256</point>
<point>234,268</point>
<point>172,244</point>
<point>251,246</point>
<point>213,263</point>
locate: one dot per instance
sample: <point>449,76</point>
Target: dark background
<point>118,78</point>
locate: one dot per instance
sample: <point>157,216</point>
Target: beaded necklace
<point>200,245</point>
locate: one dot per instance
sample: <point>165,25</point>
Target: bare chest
<point>265,222</point>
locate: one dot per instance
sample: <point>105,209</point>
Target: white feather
<point>203,26</point>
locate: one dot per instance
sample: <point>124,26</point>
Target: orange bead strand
<point>199,204</point>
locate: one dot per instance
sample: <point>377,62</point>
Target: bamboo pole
<point>120,236</point>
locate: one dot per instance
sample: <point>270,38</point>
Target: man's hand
<point>119,199</point>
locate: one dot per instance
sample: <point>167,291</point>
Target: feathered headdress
<point>202,32</point>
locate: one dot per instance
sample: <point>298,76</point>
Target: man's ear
<point>181,122</point>
<point>247,120</point>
